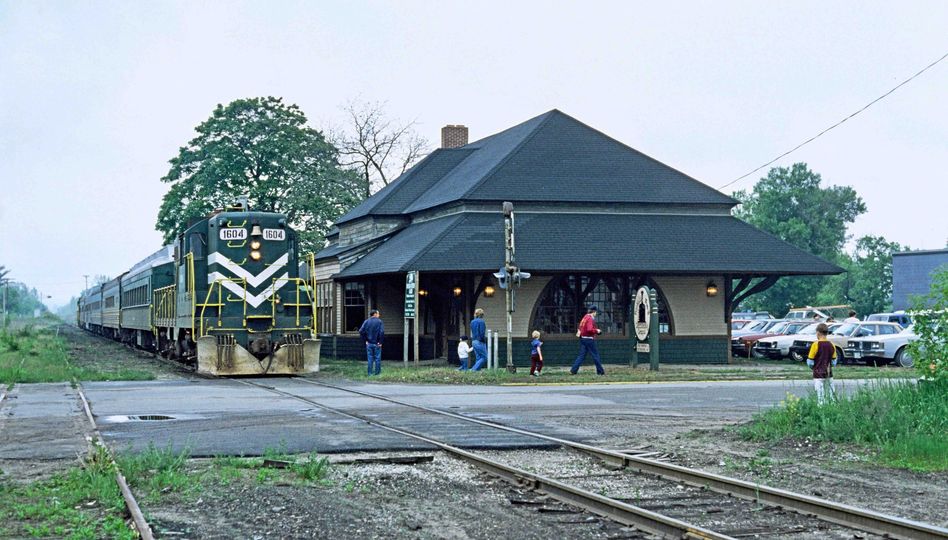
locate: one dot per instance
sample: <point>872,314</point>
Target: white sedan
<point>883,349</point>
<point>778,347</point>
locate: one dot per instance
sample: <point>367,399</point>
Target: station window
<point>354,303</point>
<point>564,301</point>
<point>324,307</point>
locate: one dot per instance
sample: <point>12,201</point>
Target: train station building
<point>595,220</point>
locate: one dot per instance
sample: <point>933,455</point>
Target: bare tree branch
<point>378,148</point>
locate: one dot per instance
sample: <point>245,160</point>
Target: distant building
<point>595,219</point>
<point>912,274</point>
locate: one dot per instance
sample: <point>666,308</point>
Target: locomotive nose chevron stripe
<point>253,299</point>
<point>240,272</point>
<point>253,281</point>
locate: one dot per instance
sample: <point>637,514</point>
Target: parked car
<point>746,344</point>
<point>777,347</point>
<point>900,317</point>
<point>752,315</point>
<point>839,336</point>
<point>755,328</point>
<point>825,313</point>
<point>737,324</point>
<point>805,314</point>
<point>883,349</point>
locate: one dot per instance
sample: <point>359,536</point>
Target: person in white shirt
<point>852,317</point>
<point>464,353</point>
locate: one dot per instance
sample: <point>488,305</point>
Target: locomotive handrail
<point>296,281</point>
<point>220,300</point>
<point>311,262</point>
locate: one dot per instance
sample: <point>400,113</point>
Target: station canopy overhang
<point>548,243</point>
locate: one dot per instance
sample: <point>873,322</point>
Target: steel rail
<point>619,511</point>
<point>141,524</point>
<point>842,514</point>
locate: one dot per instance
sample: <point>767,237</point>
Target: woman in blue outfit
<point>479,338</point>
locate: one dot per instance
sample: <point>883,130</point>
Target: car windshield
<point>778,328</point>
<point>737,325</point>
<point>759,325</point>
<point>811,330</point>
<point>796,327</point>
<point>845,329</point>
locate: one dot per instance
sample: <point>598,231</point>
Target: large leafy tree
<point>867,283</point>
<point>263,149</point>
<point>870,284</point>
<point>792,204</point>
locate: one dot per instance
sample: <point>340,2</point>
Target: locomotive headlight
<point>255,255</point>
<point>255,244</point>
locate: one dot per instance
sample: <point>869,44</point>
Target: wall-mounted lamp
<point>422,292</point>
<point>489,291</point>
<point>712,289</point>
<point>456,291</point>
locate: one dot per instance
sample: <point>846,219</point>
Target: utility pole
<point>510,269</point>
<point>509,276</point>
<point>3,282</point>
<point>87,280</point>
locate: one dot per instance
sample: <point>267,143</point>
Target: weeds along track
<point>661,498</point>
<point>141,524</point>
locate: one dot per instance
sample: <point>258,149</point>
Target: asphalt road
<point>226,417</point>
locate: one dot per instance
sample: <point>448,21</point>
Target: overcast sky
<point>96,97</point>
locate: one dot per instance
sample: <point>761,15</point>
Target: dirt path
<point>90,351</point>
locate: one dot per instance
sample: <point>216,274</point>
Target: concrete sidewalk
<point>42,421</point>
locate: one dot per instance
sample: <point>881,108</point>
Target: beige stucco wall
<point>693,312</point>
<point>495,309</point>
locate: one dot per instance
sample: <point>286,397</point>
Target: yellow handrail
<point>311,259</point>
<point>163,306</point>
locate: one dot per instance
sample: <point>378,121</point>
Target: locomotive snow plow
<point>221,355</point>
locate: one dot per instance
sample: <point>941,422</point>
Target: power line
<point>837,124</point>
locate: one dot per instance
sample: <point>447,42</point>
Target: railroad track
<point>141,524</point>
<point>680,491</point>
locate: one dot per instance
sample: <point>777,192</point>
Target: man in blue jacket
<point>373,334</point>
<point>479,337</point>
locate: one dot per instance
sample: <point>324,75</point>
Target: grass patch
<point>82,503</point>
<point>38,354</point>
<point>156,471</point>
<point>308,469</point>
<point>743,371</point>
<point>904,423</point>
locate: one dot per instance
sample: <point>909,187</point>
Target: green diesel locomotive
<point>229,295</point>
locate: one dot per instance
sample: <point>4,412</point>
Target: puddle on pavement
<point>123,418</point>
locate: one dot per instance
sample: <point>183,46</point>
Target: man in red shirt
<point>587,342</point>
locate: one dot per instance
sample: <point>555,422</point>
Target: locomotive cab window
<point>198,244</point>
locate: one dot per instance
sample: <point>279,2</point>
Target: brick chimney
<point>453,136</point>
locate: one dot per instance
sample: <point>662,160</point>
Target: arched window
<point>565,299</point>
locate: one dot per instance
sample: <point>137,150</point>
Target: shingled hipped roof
<point>550,158</point>
<point>561,242</point>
